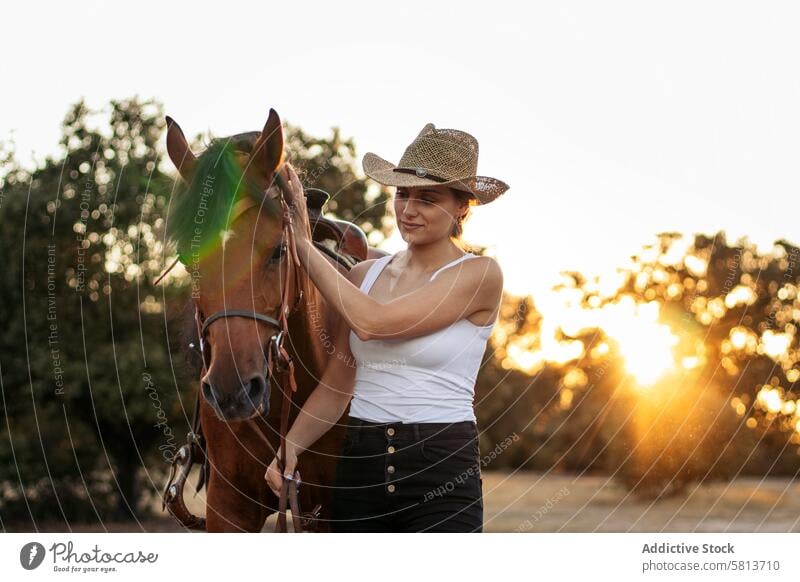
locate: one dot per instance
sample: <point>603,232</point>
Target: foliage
<point>96,391</point>
<point>726,406</point>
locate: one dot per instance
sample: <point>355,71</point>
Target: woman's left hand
<point>273,474</point>
<point>295,198</point>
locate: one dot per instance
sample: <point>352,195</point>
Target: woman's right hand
<point>297,211</point>
<point>273,474</point>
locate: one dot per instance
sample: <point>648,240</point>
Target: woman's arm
<point>454,294</point>
<point>326,404</point>
<point>322,409</point>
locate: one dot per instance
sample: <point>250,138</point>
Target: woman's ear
<point>463,204</point>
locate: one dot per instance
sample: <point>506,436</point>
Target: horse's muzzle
<point>251,400</point>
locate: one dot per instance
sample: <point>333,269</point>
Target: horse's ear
<point>269,146</point>
<point>178,149</point>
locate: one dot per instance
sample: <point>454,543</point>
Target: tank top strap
<point>374,272</point>
<point>452,263</point>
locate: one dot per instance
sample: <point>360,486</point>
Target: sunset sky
<point>611,121</point>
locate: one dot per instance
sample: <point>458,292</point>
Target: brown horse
<point>234,252</point>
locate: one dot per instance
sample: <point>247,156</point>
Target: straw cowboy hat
<point>437,157</point>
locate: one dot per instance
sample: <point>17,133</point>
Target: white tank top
<point>428,378</point>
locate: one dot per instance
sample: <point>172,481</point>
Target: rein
<point>279,363</point>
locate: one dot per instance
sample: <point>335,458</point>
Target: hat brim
<point>483,188</point>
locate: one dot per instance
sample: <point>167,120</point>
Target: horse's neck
<point>310,330</point>
<point>306,351</point>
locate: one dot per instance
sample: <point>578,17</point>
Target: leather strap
<point>421,173</point>
<point>285,366</point>
<point>189,454</point>
<point>238,313</point>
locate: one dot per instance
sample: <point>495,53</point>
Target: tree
<point>726,405</point>
<point>97,391</point>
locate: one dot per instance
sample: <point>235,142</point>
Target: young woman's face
<point>426,213</point>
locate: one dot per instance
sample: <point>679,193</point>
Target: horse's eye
<point>278,253</point>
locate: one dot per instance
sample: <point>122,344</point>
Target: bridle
<point>279,364</point>
<point>280,320</point>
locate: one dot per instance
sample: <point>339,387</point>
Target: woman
<point>417,329</point>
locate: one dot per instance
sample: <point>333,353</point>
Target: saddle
<point>341,240</point>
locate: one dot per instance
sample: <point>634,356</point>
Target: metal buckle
<point>276,346</point>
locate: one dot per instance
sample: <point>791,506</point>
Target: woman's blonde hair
<point>458,227</point>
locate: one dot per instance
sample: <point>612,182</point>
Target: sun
<point>645,344</point>
<point>647,351</point>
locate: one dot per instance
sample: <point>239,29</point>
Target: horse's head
<point>227,225</point>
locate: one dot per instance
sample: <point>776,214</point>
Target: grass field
<point>530,502</point>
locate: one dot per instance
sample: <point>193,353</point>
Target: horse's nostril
<point>255,388</point>
<point>208,392</point>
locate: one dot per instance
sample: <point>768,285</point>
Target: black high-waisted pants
<point>420,477</point>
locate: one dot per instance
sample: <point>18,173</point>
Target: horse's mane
<point>201,209</point>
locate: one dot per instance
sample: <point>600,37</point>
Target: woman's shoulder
<point>491,264</point>
<point>489,270</point>
<point>485,267</point>
<point>479,272</point>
